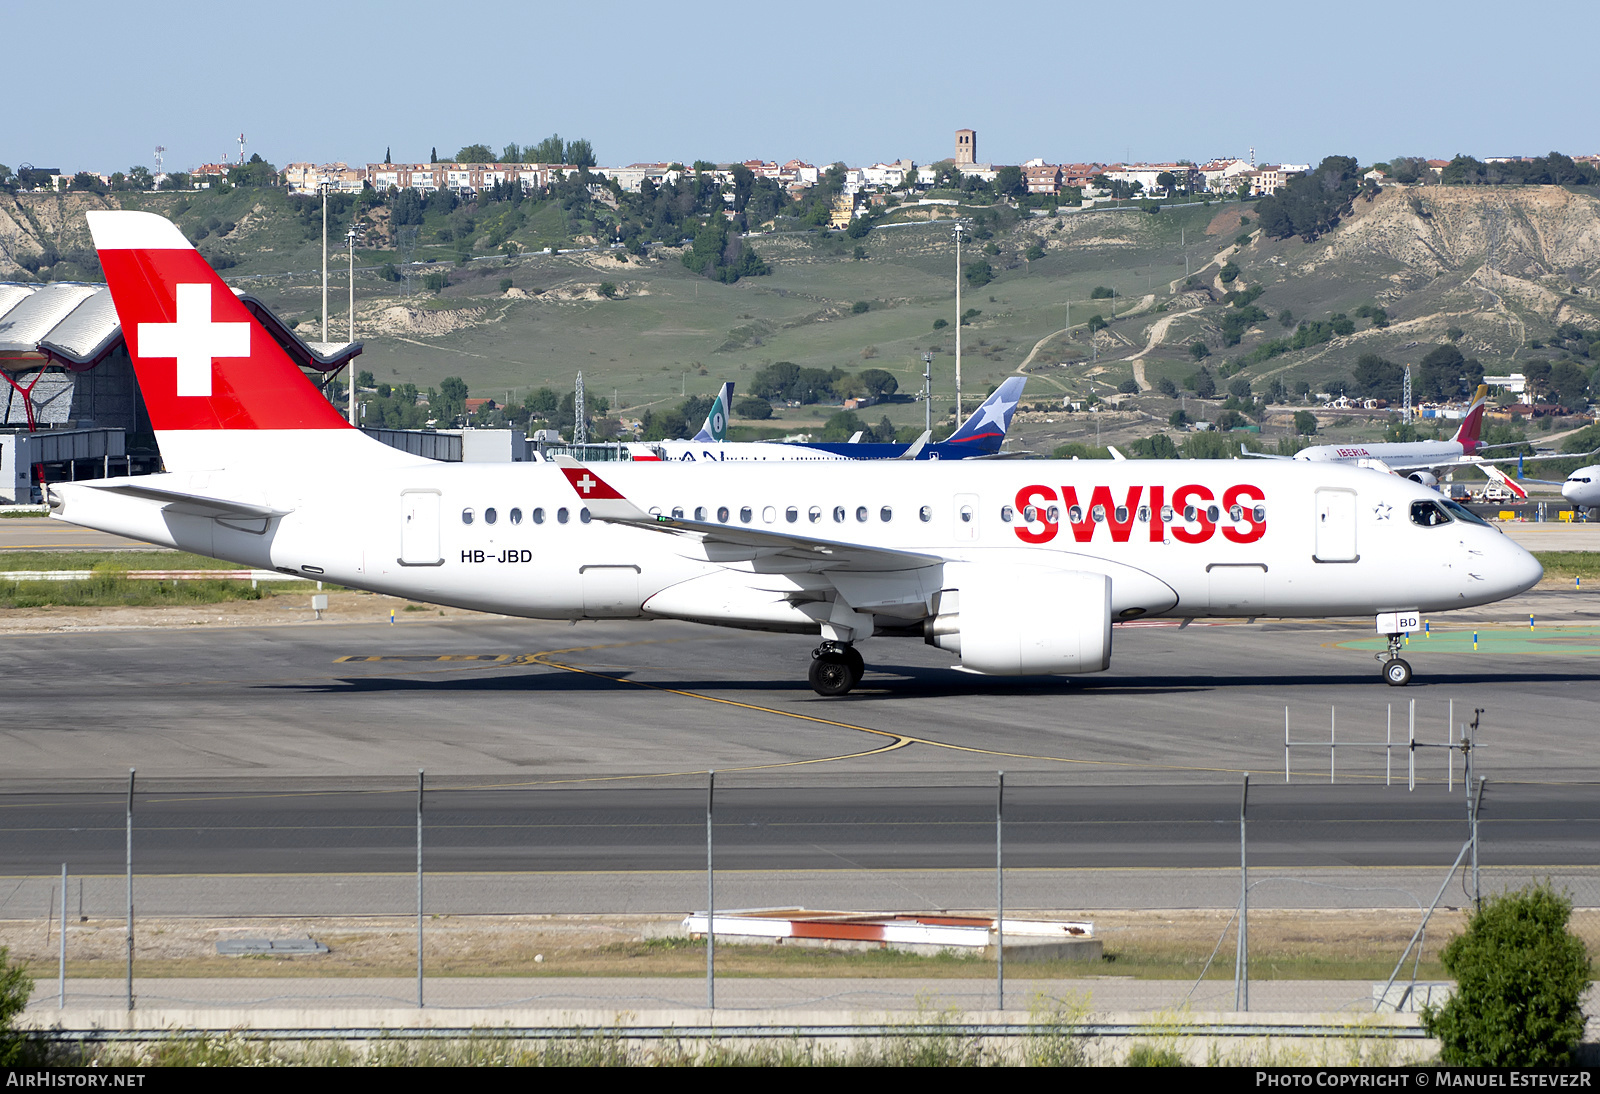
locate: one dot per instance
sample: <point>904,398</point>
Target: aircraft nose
<point>1516,571</point>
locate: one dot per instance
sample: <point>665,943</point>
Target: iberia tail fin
<point>1472,425</point>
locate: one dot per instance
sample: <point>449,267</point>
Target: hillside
<point>1504,270</point>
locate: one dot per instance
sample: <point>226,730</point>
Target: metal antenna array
<point>1406,400</point>
<point>160,148</point>
<point>1453,743</point>
<point>241,149</point>
<point>580,427</point>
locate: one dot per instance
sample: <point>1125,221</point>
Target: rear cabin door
<point>1336,526</point>
<point>419,528</point>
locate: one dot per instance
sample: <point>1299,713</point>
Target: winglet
<point>916,446</point>
<point>1115,455</point>
<point>604,500</point>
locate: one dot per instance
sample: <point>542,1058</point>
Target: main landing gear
<point>836,667</point>
<point>1396,671</point>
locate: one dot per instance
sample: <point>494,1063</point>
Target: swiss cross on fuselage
<point>586,484</point>
<point>194,340</point>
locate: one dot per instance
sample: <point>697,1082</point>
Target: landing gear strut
<point>836,667</point>
<point>1396,671</point>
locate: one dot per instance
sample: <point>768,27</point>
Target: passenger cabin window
<point>814,514</point>
<point>515,516</point>
<point>722,513</point>
<point>677,512</point>
<point>1144,514</point>
<point>466,516</point>
<point>861,513</point>
<point>1236,512</point>
<point>791,514</point>
<point>1006,513</point>
<point>1260,513</point>
<point>1053,515</point>
<point>1122,514</point>
<point>538,516</point>
<point>1428,515</point>
<point>838,514</point>
<point>1098,513</point>
<point>490,516</point>
<point>966,514</point>
<point>769,514</point>
<point>1075,514</point>
<point>925,513</point>
<point>585,516</point>
<point>744,514</point>
<point>561,516</point>
<point>699,512</point>
<point>886,514</point>
<point>1030,513</point>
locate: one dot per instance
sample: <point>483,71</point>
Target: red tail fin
<point>203,362</point>
<point>1472,425</point>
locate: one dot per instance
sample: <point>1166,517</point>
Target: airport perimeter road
<point>292,830</point>
<point>487,700</point>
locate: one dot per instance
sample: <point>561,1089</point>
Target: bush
<point>608,289</point>
<point>1519,977</point>
<point>1100,292</point>
<point>860,307</point>
<point>940,324</point>
<point>15,988</point>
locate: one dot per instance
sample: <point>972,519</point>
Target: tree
<point>1167,180</point>
<point>580,153</point>
<point>1178,419</point>
<point>83,180</point>
<point>1165,385</point>
<point>1199,351</point>
<point>15,988</point>
<point>550,150</point>
<point>433,155</point>
<point>979,273</point>
<point>1313,203</point>
<point>1520,974</point>
<point>1305,423</point>
<point>879,382</point>
<point>512,153</point>
<point>475,153</point>
<point>388,156</point>
<point>1008,182</point>
<point>752,407</point>
<point>452,401</point>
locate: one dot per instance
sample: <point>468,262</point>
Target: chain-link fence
<point>574,895</point>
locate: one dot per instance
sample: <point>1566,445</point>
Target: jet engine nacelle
<point>1024,621</point>
<point>1426,478</point>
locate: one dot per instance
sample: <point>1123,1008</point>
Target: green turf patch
<point>1571,641</point>
<point>1570,564</point>
<point>121,560</point>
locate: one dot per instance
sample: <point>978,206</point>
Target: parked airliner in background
<point>979,436</point>
<point>1016,567</point>
<point>1419,461</point>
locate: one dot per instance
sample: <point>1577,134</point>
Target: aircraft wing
<point>606,503</point>
<point>179,501</point>
<point>1262,455</point>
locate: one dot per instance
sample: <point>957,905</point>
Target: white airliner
<point>1017,567</point>
<point>979,437</point>
<point>1582,487</point>
<point>1419,461</point>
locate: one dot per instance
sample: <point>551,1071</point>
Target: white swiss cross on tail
<point>194,340</point>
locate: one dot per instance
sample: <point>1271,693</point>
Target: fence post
<point>1000,889</point>
<point>61,998</point>
<point>419,886</point>
<point>1241,961</point>
<point>131,772</point>
<point>711,901</point>
<point>1475,803</point>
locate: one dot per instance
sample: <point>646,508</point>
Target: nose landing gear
<point>836,667</point>
<point>1396,670</point>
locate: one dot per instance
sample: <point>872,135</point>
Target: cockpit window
<point>1461,512</point>
<point>1427,514</point>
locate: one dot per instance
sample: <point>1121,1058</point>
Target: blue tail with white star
<point>986,428</point>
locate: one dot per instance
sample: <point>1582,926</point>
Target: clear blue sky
<point>97,85</point>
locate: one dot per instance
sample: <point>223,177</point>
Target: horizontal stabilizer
<point>178,501</point>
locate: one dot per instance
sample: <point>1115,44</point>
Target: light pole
<point>323,186</point>
<point>350,238</point>
<point>958,230</point>
<point>927,392</point>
